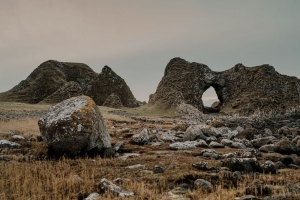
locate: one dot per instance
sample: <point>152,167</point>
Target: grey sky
<point>138,38</point>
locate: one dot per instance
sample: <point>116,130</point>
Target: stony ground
<point>157,157</point>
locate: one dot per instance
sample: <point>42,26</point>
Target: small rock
<point>246,197</point>
<point>193,133</point>
<point>183,145</point>
<point>268,167</point>
<point>93,196</point>
<point>258,189</point>
<point>158,169</point>
<point>285,147</point>
<point>8,144</point>
<point>200,165</point>
<point>215,145</point>
<point>142,137</point>
<point>267,148</point>
<point>106,185</point>
<point>118,146</point>
<point>134,166</point>
<point>203,185</point>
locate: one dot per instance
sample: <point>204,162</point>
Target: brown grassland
<point>27,173</point>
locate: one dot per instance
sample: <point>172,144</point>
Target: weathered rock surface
<point>108,82</point>
<point>68,90</point>
<point>113,101</point>
<point>74,126</point>
<point>8,144</point>
<point>239,89</point>
<point>46,79</point>
<point>53,82</point>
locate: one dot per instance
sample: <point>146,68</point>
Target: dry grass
<point>39,178</point>
<point>26,127</point>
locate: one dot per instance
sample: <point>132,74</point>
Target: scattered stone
<point>215,145</point>
<point>193,133</point>
<point>203,185</point>
<point>200,165</point>
<point>238,145</point>
<point>74,126</point>
<point>8,144</point>
<point>158,169</point>
<point>18,137</point>
<point>106,185</point>
<point>184,145</point>
<point>285,147</point>
<point>258,189</point>
<point>142,137</point>
<point>126,155</point>
<point>134,166</point>
<point>210,153</point>
<point>118,146</point>
<point>267,148</point>
<point>93,196</point>
<point>242,164</point>
<point>247,197</point>
<point>269,167</point>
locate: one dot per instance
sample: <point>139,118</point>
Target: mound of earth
<point>46,79</point>
<point>68,90</point>
<point>113,101</point>
<point>239,89</point>
<point>108,82</point>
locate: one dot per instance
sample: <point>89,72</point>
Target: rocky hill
<point>46,79</point>
<point>239,89</point>
<point>108,82</point>
<point>54,81</point>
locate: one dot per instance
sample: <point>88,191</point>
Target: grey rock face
<point>142,137</point>
<point>74,126</point>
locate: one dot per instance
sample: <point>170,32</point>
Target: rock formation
<point>47,79</point>
<point>239,89</point>
<point>68,90</point>
<point>108,82</point>
<point>74,126</point>
<point>54,81</point>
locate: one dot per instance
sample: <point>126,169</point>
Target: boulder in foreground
<point>74,126</point>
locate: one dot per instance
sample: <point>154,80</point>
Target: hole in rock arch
<point>211,100</point>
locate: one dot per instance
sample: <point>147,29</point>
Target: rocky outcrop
<point>74,126</point>
<point>108,82</point>
<point>68,90</point>
<point>47,79</point>
<point>239,89</point>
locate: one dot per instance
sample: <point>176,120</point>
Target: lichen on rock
<point>74,126</point>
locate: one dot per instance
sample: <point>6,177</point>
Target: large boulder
<point>74,126</point>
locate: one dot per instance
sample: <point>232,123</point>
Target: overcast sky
<point>137,38</point>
